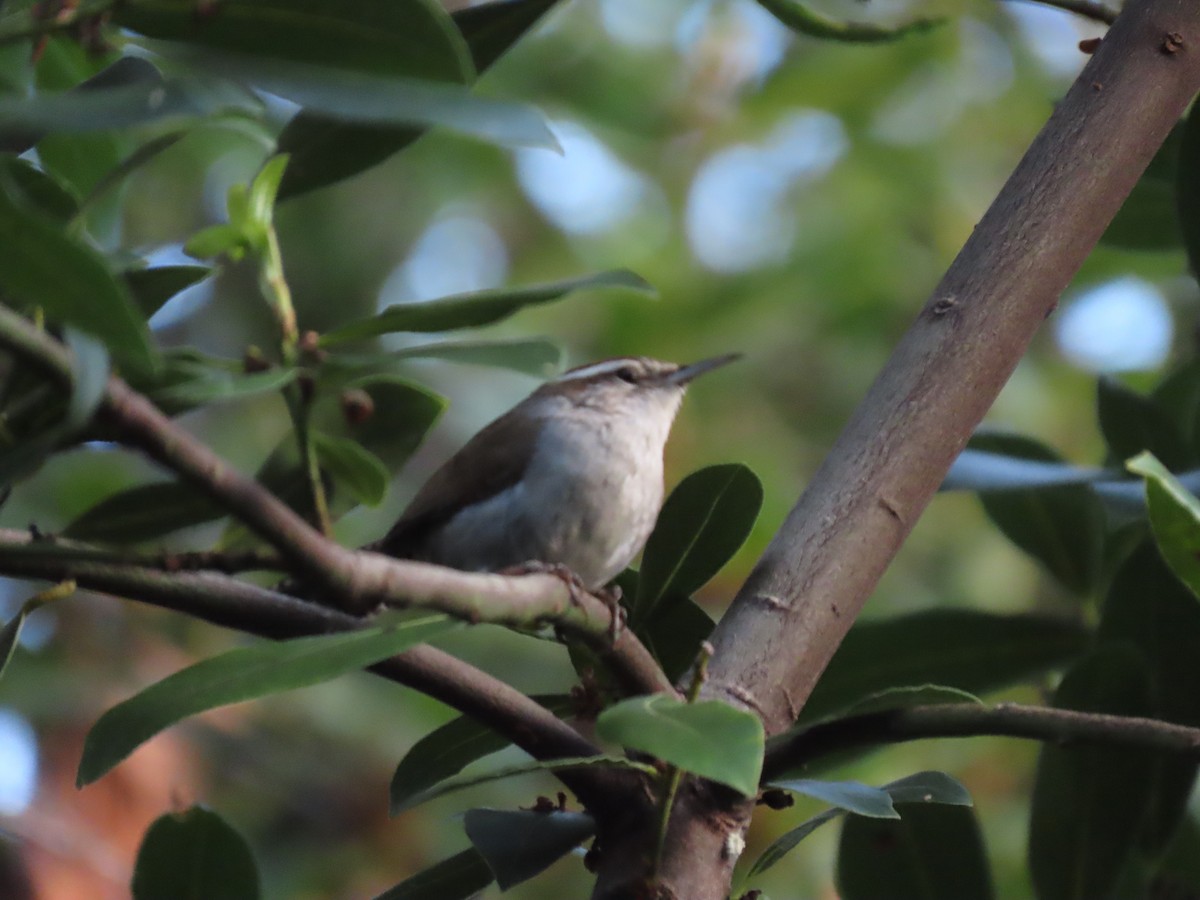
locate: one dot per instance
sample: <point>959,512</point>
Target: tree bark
<point>814,578</point>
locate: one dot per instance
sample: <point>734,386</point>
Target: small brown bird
<point>571,476</point>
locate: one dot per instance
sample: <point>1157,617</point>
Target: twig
<point>915,723</point>
<point>1097,12</point>
<point>230,603</point>
<point>357,581</point>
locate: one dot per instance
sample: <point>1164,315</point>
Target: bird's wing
<point>483,468</point>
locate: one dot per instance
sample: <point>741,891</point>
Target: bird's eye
<point>627,374</point>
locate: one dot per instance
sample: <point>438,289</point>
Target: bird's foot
<point>610,596</point>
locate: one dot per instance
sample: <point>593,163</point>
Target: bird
<point>571,478</point>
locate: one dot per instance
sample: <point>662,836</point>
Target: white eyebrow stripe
<point>600,368</point>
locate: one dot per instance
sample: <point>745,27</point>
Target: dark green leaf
<point>1132,423</point>
<point>709,738</point>
<point>37,190</point>
<point>1187,189</point>
<point>354,466</point>
<point>40,266</point>
<point>518,844</point>
<point>851,796</point>
<point>461,782</point>
<point>325,150</point>
<point>152,288</point>
<point>132,163</point>
<point>932,852</point>
<point>1149,607</point>
<point>806,20</point>
<point>1179,395</point>
<point>413,38</point>
<point>475,309</point>
<point>1090,801</point>
<point>1178,873</point>
<point>702,524</point>
<point>447,750</point>
<point>404,413</point>
<point>460,877</point>
<point>143,513</point>
<point>243,674</point>
<point>964,649</point>
<point>1149,217</point>
<point>194,855</point>
<point>920,787</point>
<point>490,29</point>
<point>673,632</point>
<point>1174,517</point>
<point>217,386</point>
<point>1061,527</point>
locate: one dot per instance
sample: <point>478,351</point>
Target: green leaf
<point>216,240</point>
<point>540,358</point>
<point>325,150</point>
<point>519,844</point>
<point>191,855</point>
<point>957,648</point>
<point>930,853</point>
<point>41,266</point>
<point>920,787</point>
<point>1179,396</point>
<point>354,466</point>
<point>851,796</point>
<point>1149,217</point>
<point>1148,606</point>
<point>89,377</point>
<point>460,782</point>
<point>143,513</point>
<point>447,750</point>
<point>1061,527</point>
<point>804,19</point>
<point>360,97</point>
<point>37,190</point>
<point>1132,423</point>
<point>413,38</point>
<point>475,309</point>
<point>404,413</point>
<point>709,738</point>
<point>243,674</point>
<point>219,386</point>
<point>703,523</point>
<point>104,109</point>
<point>10,634</point>
<point>264,188</point>
<point>1174,517</point>
<point>673,632</point>
<point>152,288</point>
<point>460,877</point>
<point>1090,801</point>
<point>491,29</point>
<point>1187,189</point>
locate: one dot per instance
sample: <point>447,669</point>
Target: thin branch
<point>230,603</point>
<point>229,562</point>
<point>1097,12</point>
<point>1040,723</point>
<point>354,580</point>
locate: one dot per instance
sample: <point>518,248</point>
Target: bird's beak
<point>684,374</point>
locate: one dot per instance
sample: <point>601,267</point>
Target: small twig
<point>1089,9</point>
<point>23,25</point>
<point>229,562</point>
<point>225,601</point>
<point>971,720</point>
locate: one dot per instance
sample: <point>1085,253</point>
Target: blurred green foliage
<point>859,172</point>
